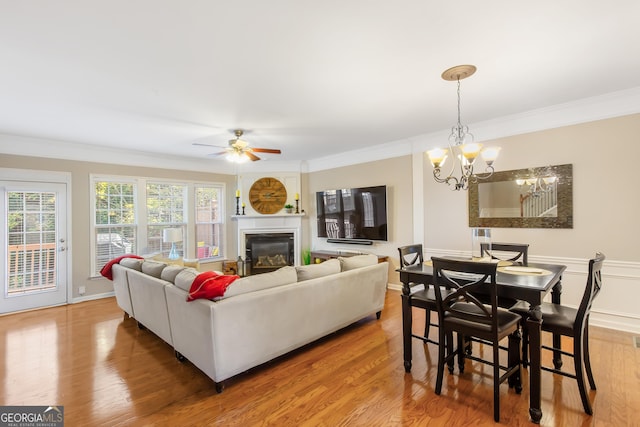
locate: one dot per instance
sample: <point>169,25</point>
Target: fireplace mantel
<point>241,217</point>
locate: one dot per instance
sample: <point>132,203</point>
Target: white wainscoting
<point>616,307</point>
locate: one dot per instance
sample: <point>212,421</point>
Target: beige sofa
<point>259,317</point>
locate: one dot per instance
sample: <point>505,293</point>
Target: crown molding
<point>601,107</point>
<point>614,104</point>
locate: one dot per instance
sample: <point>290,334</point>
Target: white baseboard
<point>92,297</point>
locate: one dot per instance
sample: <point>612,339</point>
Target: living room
<point>583,130</point>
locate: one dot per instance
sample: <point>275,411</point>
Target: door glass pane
<point>31,232</point>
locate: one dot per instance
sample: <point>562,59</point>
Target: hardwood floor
<point>106,371</point>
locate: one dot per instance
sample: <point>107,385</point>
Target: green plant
<point>288,206</point>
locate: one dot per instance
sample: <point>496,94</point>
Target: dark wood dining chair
<point>460,311</point>
<point>570,322</point>
<point>423,298</point>
<point>513,252</point>
<point>516,252</point>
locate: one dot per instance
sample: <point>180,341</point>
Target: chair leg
<point>525,345</point>
<point>587,360</point>
<point>496,383</point>
<point>579,369</point>
<point>461,350</point>
<point>427,323</point>
<point>450,355</point>
<point>515,380</point>
<point>442,343</point>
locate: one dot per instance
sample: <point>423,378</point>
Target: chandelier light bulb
<point>490,154</point>
<point>437,156</point>
<point>471,151</point>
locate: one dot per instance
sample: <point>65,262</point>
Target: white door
<point>33,245</point>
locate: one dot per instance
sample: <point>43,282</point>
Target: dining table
<point>530,283</point>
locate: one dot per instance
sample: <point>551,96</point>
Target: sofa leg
<point>219,387</point>
<point>179,356</point>
<point>141,326</point>
<point>378,314</point>
<point>126,315</point>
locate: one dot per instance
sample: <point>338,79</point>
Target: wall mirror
<point>540,197</point>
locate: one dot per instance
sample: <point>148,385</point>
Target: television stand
<point>320,256</point>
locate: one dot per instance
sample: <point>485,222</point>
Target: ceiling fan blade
<point>252,156</point>
<point>266,150</point>
<point>217,154</point>
<point>207,145</point>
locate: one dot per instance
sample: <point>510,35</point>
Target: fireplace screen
<point>268,252</point>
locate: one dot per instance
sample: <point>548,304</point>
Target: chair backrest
<point>411,255</point>
<point>592,289</point>
<point>463,281</point>
<point>507,251</point>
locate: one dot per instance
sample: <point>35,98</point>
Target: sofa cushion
<point>312,271</point>
<point>153,268</point>
<point>256,282</point>
<point>184,279</point>
<point>357,261</point>
<point>132,263</point>
<point>170,272</point>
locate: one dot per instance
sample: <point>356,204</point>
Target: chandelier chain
<point>459,121</point>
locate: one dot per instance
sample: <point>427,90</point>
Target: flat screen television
<point>353,215</point>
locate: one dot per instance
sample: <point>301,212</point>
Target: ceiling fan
<point>239,150</point>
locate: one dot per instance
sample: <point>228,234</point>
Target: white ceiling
<point>312,78</point>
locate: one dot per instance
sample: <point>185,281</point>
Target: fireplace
<point>265,252</point>
<point>279,230</point>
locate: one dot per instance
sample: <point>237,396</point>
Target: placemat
<point>501,263</point>
<point>524,271</point>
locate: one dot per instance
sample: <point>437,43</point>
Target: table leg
<point>556,294</point>
<point>534,328</point>
<point>406,330</point>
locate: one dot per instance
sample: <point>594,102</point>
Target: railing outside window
<point>31,267</point>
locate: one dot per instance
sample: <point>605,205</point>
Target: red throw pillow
<point>209,284</point>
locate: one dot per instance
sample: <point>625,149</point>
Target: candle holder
<point>243,211</point>
<point>297,206</point>
<point>237,205</point>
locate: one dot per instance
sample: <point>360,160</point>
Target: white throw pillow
<point>256,282</point>
<point>170,272</point>
<point>184,279</point>
<point>312,271</point>
<point>357,261</point>
<point>133,263</point>
<point>153,268</point>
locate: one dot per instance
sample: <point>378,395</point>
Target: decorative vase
<point>481,237</point>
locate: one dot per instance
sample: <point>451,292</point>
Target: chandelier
<point>461,147</point>
<point>536,186</point>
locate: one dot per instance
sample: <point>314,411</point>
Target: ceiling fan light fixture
<point>239,151</point>
<point>237,157</point>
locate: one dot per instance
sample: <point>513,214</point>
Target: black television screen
<point>353,213</point>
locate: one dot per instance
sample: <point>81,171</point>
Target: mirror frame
<point>565,200</point>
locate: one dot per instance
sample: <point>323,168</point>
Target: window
<point>130,215</point>
<point>165,209</point>
<point>115,221</point>
<point>208,221</point>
